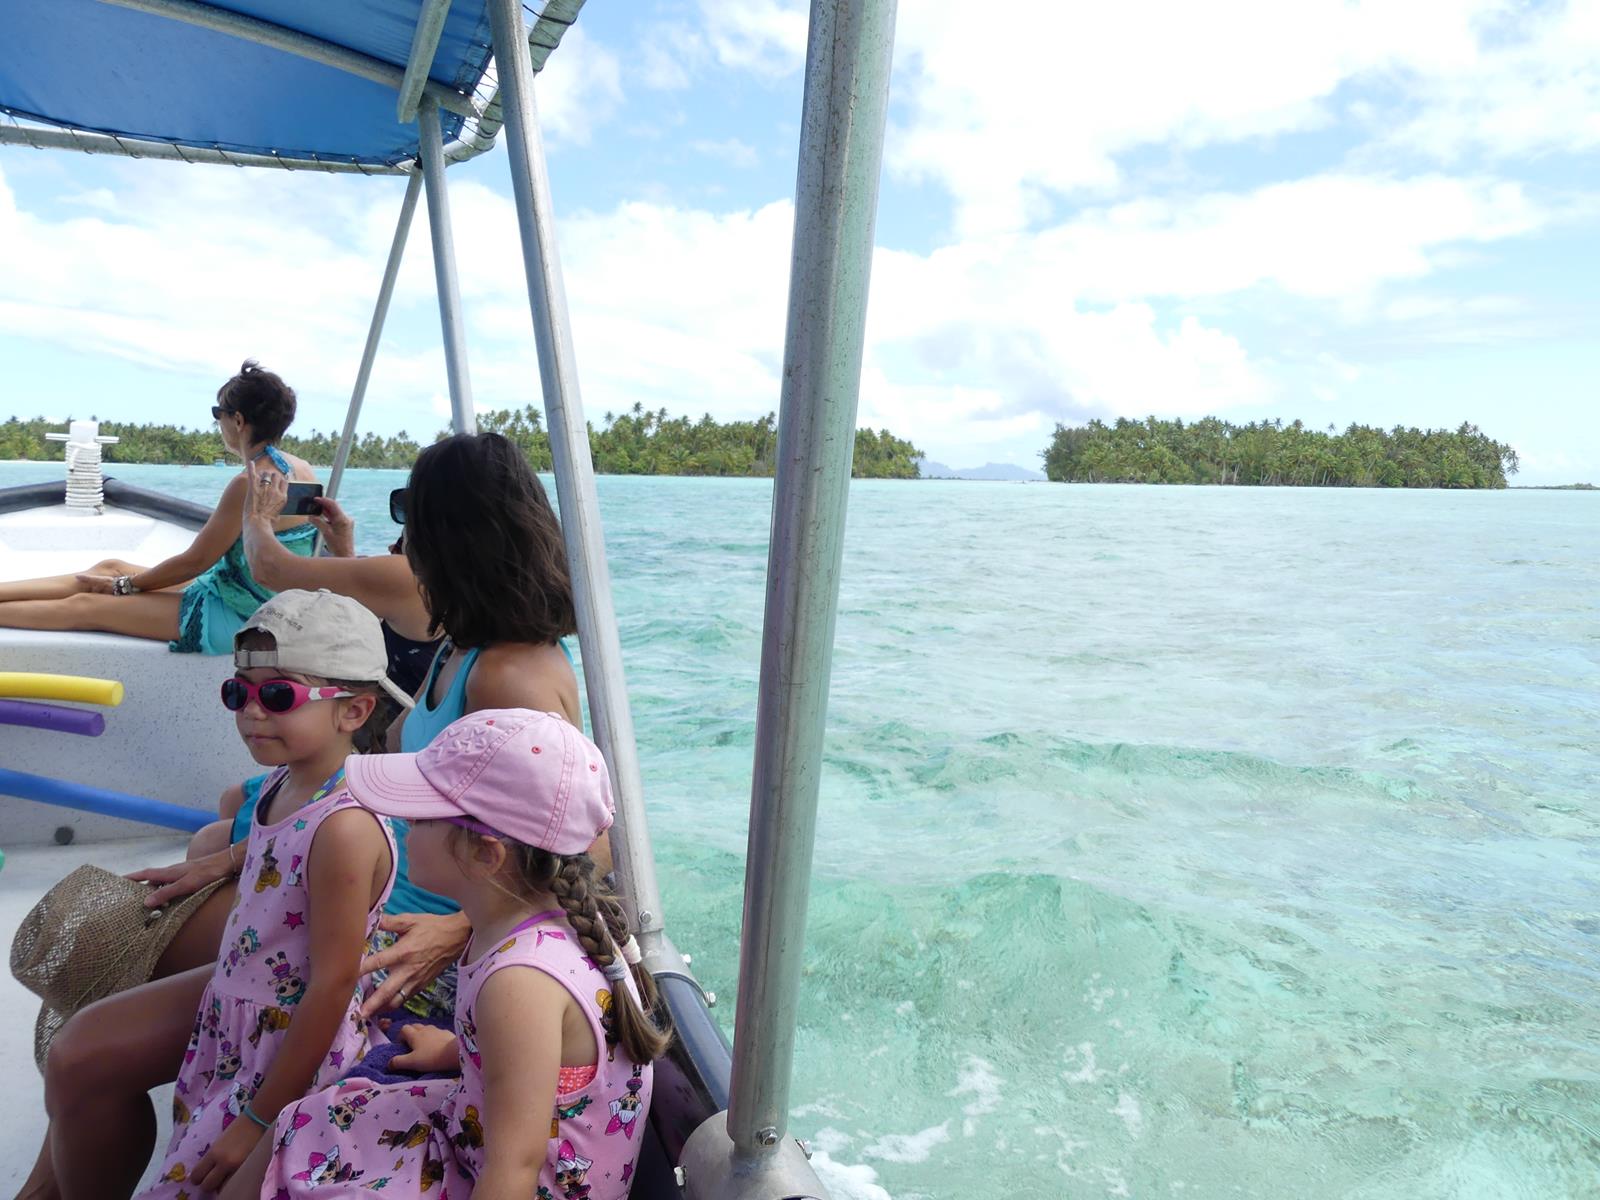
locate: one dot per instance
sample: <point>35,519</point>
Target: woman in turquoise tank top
<point>500,591</point>
<point>197,600</point>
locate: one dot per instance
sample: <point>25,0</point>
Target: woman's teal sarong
<point>217,604</point>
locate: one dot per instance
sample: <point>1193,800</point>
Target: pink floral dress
<point>407,1139</point>
<point>262,973</point>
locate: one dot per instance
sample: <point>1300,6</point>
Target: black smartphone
<point>303,499</point>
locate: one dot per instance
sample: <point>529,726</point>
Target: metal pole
<point>462,418</point>
<point>574,469</point>
<point>391,272</point>
<point>836,193</point>
<point>424,45</point>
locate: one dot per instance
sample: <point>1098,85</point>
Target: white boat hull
<point>170,739</point>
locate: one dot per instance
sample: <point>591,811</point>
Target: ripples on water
<point>1174,842</point>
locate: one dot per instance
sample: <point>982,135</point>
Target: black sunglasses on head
<point>398,500</point>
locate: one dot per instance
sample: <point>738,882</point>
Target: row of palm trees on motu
<point>1271,453</point>
<point>638,442</point>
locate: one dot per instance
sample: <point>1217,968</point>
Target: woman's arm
<point>186,878</point>
<point>518,1014</point>
<point>382,583</point>
<point>210,544</point>
<point>345,858</point>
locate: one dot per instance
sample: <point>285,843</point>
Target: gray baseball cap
<point>320,633</point>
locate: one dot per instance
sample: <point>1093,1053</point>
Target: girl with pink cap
<point>552,1027</point>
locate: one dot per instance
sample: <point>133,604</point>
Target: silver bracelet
<point>122,585</point>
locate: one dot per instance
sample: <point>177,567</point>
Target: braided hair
<point>602,928</point>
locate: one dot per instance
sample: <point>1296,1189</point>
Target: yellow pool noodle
<point>30,685</point>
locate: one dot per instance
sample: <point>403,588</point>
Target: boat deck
<point>28,873</point>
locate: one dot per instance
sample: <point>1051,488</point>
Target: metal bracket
<point>711,1170</point>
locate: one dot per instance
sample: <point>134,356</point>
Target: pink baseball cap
<point>529,775</point>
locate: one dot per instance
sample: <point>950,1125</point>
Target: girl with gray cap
<point>281,1013</point>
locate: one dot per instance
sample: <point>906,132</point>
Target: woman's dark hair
<point>485,545</point>
<point>602,928</point>
<point>262,398</point>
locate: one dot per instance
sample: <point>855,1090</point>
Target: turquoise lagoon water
<point>1174,842</point>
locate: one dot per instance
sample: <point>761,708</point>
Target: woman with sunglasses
<point>196,600</point>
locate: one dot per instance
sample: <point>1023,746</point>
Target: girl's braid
<point>602,928</point>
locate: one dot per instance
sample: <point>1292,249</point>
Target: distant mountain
<point>1009,471</point>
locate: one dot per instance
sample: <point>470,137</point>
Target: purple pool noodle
<point>52,716</point>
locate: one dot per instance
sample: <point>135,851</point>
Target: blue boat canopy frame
<point>304,84</point>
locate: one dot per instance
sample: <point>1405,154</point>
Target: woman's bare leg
<point>246,1181</point>
<point>57,587</point>
<point>151,615</point>
<point>194,947</point>
<point>199,942</point>
<point>102,1066</point>
<point>41,1181</point>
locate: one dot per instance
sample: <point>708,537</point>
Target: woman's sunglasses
<point>275,695</point>
<point>218,412</point>
<point>398,501</point>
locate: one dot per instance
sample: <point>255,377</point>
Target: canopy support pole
<point>424,45</point>
<point>462,417</point>
<point>841,148</point>
<point>380,313</point>
<point>574,470</point>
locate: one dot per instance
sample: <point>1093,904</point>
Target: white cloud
<point>579,89</point>
<point>767,37</point>
<point>971,348</point>
<point>1008,124</point>
<point>1334,236</point>
<point>1531,85</point>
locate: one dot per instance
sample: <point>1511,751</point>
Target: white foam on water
<point>829,1140</point>
<point>1088,1072</point>
<point>978,1079</point>
<point>1128,1109</point>
<point>909,1147</point>
<point>848,1181</point>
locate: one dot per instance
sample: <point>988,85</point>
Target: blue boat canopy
<point>309,82</point>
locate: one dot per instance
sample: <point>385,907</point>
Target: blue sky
<point>1332,211</point>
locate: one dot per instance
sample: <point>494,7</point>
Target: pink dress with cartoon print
<point>261,975</point>
<point>408,1139</point>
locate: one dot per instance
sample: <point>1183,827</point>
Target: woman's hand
<point>338,527</point>
<point>427,945</point>
<point>430,1049</point>
<point>186,878</point>
<point>96,583</point>
<point>226,1155</point>
<point>266,494</point>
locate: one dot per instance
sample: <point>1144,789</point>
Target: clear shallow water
<point>1174,842</point>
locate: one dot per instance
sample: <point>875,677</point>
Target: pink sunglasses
<point>275,695</point>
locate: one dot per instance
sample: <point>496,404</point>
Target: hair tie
<point>616,970</point>
<point>630,951</point>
